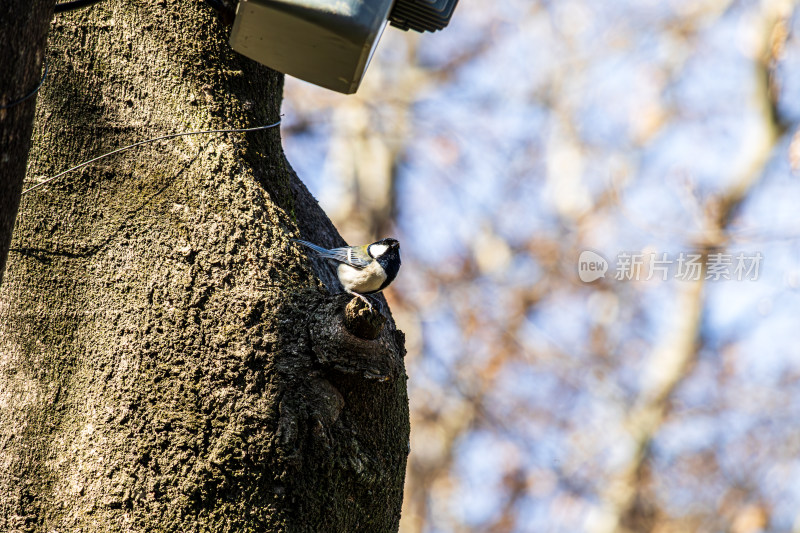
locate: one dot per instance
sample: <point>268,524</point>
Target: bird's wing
<point>355,256</point>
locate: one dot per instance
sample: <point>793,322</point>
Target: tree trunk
<point>168,361</point>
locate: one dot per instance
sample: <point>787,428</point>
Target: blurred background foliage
<point>497,151</point>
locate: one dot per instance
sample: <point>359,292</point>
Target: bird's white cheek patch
<point>377,250</point>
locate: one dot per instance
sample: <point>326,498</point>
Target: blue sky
<point>611,126</point>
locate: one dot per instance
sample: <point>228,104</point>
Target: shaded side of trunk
<point>23,35</point>
<point>168,358</point>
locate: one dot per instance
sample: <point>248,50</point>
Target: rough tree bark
<point>168,360</point>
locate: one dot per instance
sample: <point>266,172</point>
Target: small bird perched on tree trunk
<point>363,270</point>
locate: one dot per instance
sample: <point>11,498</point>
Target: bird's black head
<point>387,253</point>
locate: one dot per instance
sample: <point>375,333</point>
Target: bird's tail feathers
<point>319,249</point>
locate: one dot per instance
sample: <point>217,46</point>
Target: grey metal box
<point>325,42</point>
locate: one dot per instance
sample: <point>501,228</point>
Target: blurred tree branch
<point>671,361</point>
